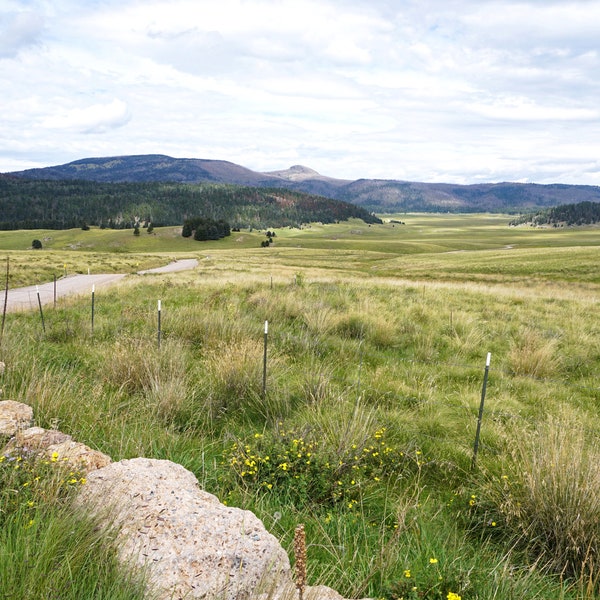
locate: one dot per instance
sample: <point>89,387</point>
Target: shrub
<point>546,501</point>
<point>299,465</point>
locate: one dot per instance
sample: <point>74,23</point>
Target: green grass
<point>48,549</point>
<point>377,344</point>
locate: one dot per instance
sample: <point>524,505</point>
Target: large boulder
<point>14,416</point>
<point>190,545</point>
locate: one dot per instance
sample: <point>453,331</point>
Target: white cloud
<point>521,109</point>
<point>18,30</point>
<point>467,90</point>
<point>96,118</point>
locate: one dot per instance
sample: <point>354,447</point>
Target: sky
<point>454,91</point>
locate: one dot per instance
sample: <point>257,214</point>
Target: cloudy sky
<point>444,90</point>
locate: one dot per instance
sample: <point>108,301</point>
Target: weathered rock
<point>14,416</point>
<point>35,439</point>
<point>57,446</point>
<point>321,592</point>
<point>77,456</point>
<point>191,545</point>
<point>289,592</point>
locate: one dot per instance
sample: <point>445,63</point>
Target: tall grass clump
<point>233,379</point>
<point>545,502</point>
<point>532,354</point>
<point>138,366</point>
<point>204,328</point>
<point>48,548</point>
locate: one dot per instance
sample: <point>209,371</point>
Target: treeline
<point>582,213</point>
<point>37,204</point>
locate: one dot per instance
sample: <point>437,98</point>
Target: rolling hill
<point>377,195</point>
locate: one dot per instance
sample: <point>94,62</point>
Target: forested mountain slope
<point>581,213</point>
<point>32,204</point>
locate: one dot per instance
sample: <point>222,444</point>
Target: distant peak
<point>302,169</point>
<point>295,173</point>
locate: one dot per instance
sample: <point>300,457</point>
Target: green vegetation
<point>35,204</point>
<point>582,213</point>
<point>377,343</point>
<point>205,229</point>
<point>48,549</point>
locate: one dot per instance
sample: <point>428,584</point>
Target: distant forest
<point>582,213</point>
<point>39,204</point>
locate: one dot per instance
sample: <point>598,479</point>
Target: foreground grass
<point>366,430</point>
<point>48,549</point>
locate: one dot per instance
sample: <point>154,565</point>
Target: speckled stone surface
<point>192,545</point>
<point>14,416</point>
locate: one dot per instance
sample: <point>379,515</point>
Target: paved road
<point>26,298</point>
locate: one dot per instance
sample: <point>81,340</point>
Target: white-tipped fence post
<point>264,387</point>
<point>5,300</point>
<point>93,304</point>
<point>37,289</point>
<point>480,417</point>
<point>158,335</point>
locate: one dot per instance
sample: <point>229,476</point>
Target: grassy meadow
<point>364,427</point>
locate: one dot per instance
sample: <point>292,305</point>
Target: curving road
<point>26,298</point>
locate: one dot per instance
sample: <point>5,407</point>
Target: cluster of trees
<point>204,229</point>
<point>266,243</point>
<point>39,204</point>
<point>582,213</point>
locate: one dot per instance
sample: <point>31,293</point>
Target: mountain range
<point>377,195</point>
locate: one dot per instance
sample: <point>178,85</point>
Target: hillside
<point>64,204</point>
<point>582,213</point>
<point>378,195</point>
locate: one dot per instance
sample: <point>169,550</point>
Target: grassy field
<point>377,344</point>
